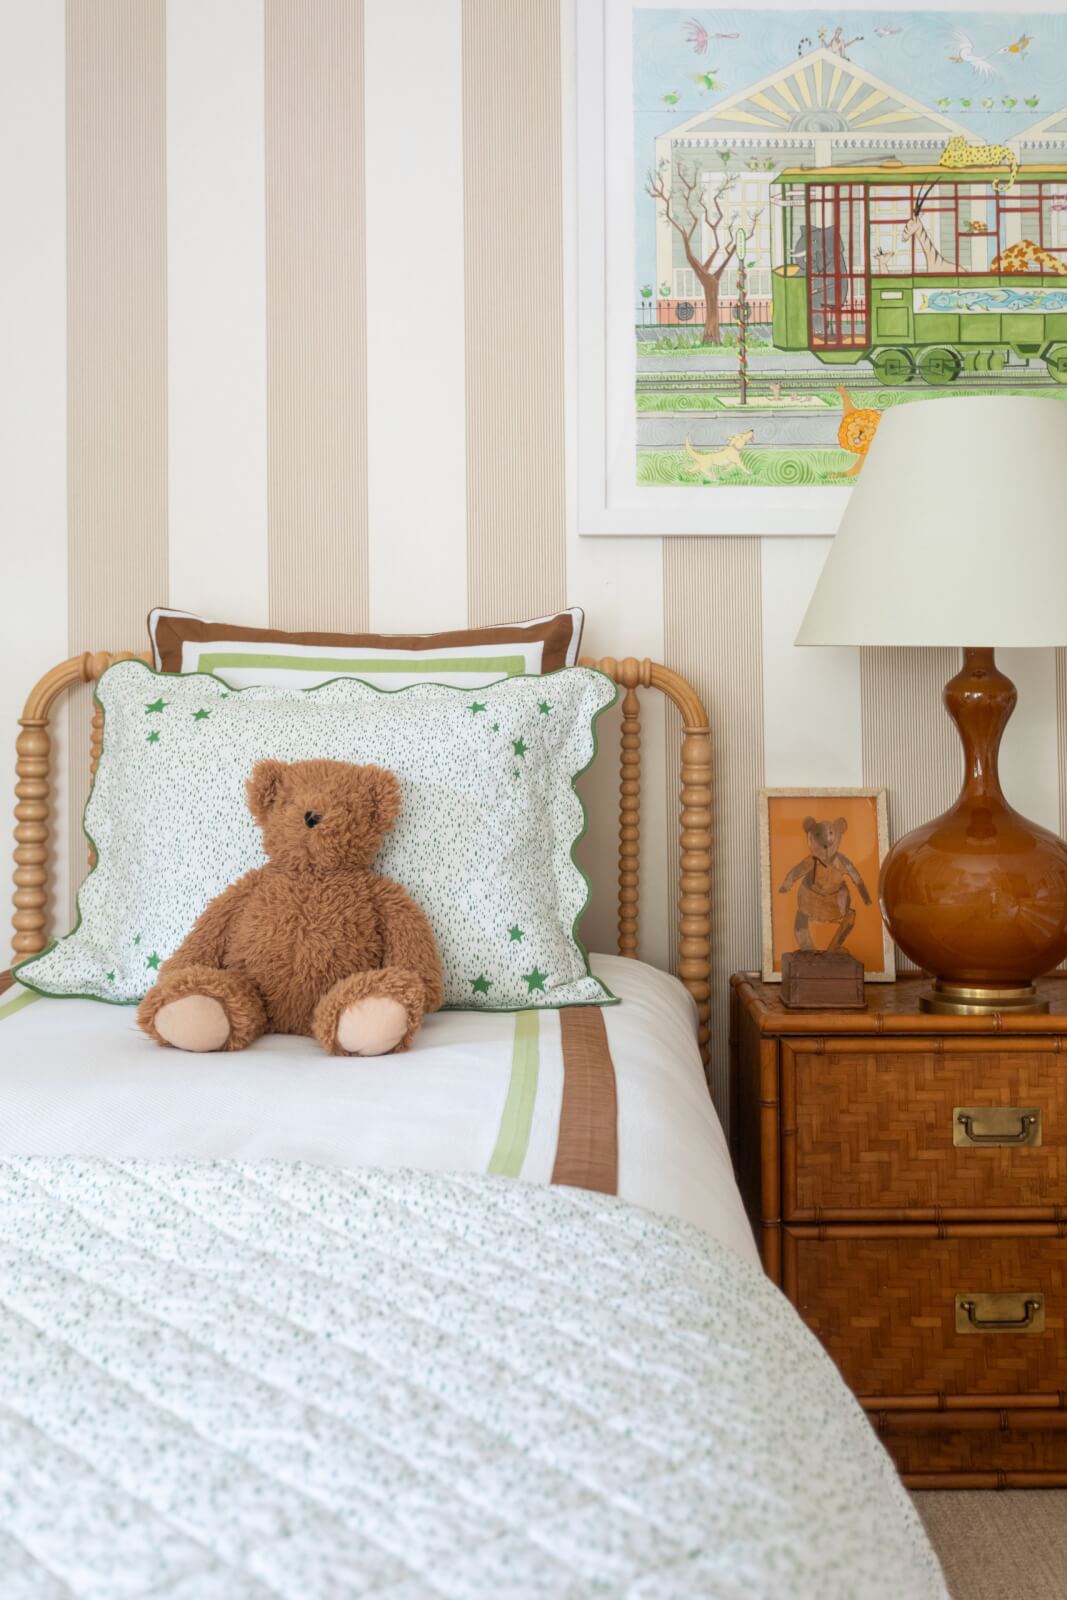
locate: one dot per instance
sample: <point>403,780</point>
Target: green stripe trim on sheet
<point>516,1120</point>
<point>350,666</point>
<point>25,999</point>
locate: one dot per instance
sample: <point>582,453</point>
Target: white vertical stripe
<point>216,309</point>
<point>33,399</point>
<point>416,472</point>
<point>811,698</point>
<point>1029,765</point>
<point>620,585</point>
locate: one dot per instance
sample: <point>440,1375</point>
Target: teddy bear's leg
<point>370,1013</point>
<point>203,1008</point>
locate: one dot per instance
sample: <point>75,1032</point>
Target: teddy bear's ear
<point>809,824</point>
<point>841,826</point>
<point>382,789</point>
<point>262,787</point>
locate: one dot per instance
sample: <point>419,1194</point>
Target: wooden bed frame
<point>33,810</point>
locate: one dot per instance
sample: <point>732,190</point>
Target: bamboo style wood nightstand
<point>906,1177</point>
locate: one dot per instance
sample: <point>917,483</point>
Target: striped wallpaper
<point>294,342</point>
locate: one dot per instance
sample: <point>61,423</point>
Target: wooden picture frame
<point>791,903</point>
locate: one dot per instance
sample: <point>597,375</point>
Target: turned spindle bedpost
<point>33,792</point>
<point>694,898</point>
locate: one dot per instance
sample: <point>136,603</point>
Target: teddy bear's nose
<point>312,819</point>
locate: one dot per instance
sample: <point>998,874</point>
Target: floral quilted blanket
<point>233,1381</point>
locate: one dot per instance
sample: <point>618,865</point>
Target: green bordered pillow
<point>484,841</point>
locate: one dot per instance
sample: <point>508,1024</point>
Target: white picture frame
<point>609,500</point>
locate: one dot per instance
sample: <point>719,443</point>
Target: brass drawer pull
<point>1001,1125</point>
<point>1000,1313</point>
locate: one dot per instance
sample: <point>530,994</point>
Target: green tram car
<point>905,267</point>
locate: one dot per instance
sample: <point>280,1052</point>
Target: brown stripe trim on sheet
<point>587,1154</point>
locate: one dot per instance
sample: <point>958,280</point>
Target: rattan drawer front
<point>976,1449</point>
<point>884,1303</point>
<point>869,1128</point>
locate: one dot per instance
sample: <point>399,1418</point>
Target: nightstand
<point>906,1177</point>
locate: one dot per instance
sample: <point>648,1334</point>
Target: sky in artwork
<point>908,50</point>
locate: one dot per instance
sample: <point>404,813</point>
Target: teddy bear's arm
<point>794,873</point>
<point>853,872</point>
<point>409,941</point>
<point>205,943</point>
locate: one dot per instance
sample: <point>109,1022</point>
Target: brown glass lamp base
<point>979,896</point>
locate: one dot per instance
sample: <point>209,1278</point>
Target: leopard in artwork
<point>958,154</point>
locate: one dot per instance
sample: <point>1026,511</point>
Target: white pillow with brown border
<point>467,658</point>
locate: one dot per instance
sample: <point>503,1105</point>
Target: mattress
<point>477,1093</point>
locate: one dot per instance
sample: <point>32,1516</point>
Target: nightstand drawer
<point>905,1313</point>
<point>911,1128</point>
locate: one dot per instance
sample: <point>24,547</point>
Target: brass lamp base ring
<point>978,1000</point>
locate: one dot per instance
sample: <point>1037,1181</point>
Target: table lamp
<point>957,531</point>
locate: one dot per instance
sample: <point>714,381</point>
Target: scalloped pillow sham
<point>483,843</point>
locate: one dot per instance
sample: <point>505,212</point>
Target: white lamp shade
<point>956,530</point>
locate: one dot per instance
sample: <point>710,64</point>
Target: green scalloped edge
<point>447,688</point>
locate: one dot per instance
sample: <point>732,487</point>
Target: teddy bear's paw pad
<point>196,1022</point>
<point>371,1027</point>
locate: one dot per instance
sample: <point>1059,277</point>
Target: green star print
<point>534,980</point>
<point>480,985</point>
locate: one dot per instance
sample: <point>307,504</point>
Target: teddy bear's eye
<point>312,818</point>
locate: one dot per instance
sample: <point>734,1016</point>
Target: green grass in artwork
<point>767,469</point>
<point>683,344</point>
<point>686,400</point>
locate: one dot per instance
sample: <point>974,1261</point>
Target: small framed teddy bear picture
<point>821,851</point>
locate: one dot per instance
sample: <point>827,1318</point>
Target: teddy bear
<point>314,942</point>
<point>823,894</point>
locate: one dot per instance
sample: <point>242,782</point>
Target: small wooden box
<point>822,980</point>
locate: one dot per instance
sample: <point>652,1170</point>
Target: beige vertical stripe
<point>513,294</point>
<point>316,314</point>
<point>713,636</point>
<point>116,337</point>
<point>909,744</point>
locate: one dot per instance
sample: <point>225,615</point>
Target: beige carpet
<point>1008,1544</point>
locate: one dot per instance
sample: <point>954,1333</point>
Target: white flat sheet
<point>477,1093</point>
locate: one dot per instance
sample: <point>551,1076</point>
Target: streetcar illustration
<point>925,272</point>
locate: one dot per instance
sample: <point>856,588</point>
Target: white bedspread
<point>221,1381</point>
<point>477,1093</point>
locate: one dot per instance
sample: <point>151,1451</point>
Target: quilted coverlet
<point>226,1380</point>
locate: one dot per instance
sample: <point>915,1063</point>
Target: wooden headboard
<point>33,810</point>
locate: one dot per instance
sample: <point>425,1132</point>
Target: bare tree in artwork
<point>699,221</point>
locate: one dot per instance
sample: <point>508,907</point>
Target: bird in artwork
<point>671,99</point>
<point>706,81</point>
<point>967,56</point>
<point>887,31</point>
<point>696,35</point>
<point>1018,47</point>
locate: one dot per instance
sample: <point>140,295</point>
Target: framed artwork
<point>791,220</point>
<point>821,851</point>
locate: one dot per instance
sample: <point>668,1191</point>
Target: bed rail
<point>33,809</point>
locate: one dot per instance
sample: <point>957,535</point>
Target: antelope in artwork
<point>914,229</point>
